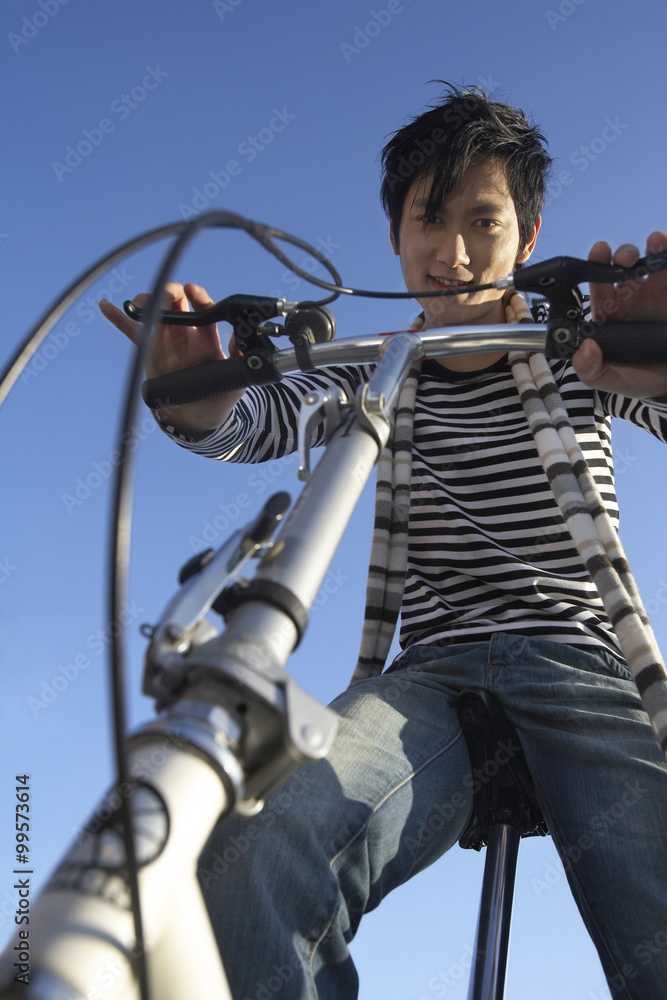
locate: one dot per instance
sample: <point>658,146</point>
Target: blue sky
<point>119,117</point>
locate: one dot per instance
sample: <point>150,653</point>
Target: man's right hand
<point>173,348</point>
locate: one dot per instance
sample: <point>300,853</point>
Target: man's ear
<point>530,245</point>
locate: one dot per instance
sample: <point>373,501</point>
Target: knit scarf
<point>580,503</point>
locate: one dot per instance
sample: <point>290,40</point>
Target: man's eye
<point>486,223</point>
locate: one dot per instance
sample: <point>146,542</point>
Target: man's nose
<point>452,250</point>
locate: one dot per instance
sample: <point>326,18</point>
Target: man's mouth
<point>447,282</point>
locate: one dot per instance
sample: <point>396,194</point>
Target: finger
<point>510,315</point>
<point>657,242</point>
<point>234,351</point>
<point>588,361</point>
<point>174,297</point>
<point>198,297</point>
<point>626,255</point>
<point>600,295</point>
<point>201,301</point>
<point>520,309</point>
<point>129,327</point>
<point>600,252</point>
<point>208,334</point>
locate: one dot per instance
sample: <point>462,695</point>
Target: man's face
<point>473,238</point>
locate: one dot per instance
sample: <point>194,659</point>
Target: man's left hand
<point>640,299</point>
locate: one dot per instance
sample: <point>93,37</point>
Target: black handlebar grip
<point>214,378</point>
<point>638,343</point>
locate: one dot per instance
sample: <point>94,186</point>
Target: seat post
<point>504,810</point>
<point>487,981</point>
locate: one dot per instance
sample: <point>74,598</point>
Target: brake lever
<point>558,280</point>
<point>560,272</point>
<point>253,308</point>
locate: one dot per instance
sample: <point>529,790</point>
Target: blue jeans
<point>286,890</point>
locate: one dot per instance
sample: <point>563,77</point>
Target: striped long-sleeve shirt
<point>488,548</point>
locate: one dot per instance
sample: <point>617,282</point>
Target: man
<point>496,597</point>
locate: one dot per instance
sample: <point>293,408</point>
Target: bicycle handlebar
<point>641,343</point>
<point>633,343</point>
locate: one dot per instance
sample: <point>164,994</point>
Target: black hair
<point>463,129</point>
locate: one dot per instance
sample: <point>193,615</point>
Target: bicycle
<point>234,725</point>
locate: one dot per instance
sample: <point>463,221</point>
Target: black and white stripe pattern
<point>591,529</point>
<point>389,552</point>
<point>489,548</point>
